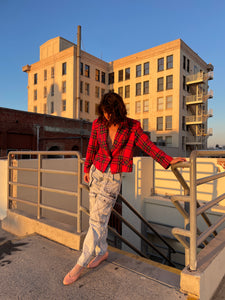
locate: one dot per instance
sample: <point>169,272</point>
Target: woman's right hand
<point>86,177</point>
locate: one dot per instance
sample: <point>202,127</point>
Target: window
<point>127,73</point>
<point>111,78</point>
<point>138,70</point>
<point>160,141</point>
<point>35,78</point>
<point>97,92</point>
<point>146,68</point>
<point>160,104</point>
<point>120,75</point>
<point>160,123</point>
<point>145,124</point>
<point>52,107</point>
<point>168,122</point>
<point>45,74</point>
<point>45,108</point>
<point>81,68</point>
<point>35,94</point>
<point>64,87</point>
<point>169,82</point>
<point>52,90</point>
<point>127,108</point>
<point>160,64</point>
<point>45,92</point>
<point>86,107</point>
<point>96,108</point>
<point>81,105</point>
<point>64,68</point>
<point>145,105</point>
<point>137,107</point>
<point>184,102</point>
<point>87,70</point>
<point>87,89</point>
<point>35,108</point>
<point>168,141</point>
<point>160,84</point>
<point>81,87</point>
<point>183,123</point>
<point>188,65</point>
<point>184,83</point>
<point>97,75</point>
<point>169,102</point>
<point>120,91</point>
<point>146,87</point>
<point>63,105</point>
<point>52,72</point>
<point>183,142</point>
<point>102,92</point>
<point>184,62</point>
<point>169,62</point>
<point>138,88</point>
<point>103,77</point>
<point>127,91</point>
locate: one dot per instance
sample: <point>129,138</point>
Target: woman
<point>109,153</point>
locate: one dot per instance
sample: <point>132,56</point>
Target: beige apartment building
<point>165,88</point>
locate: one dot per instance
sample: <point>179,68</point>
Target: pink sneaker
<point>97,260</point>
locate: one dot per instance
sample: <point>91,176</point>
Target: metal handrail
<point>40,170</point>
<point>192,207</point>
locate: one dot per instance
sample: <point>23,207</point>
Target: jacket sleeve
<point>143,141</point>
<point>92,149</point>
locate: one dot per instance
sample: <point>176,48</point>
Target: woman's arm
<point>92,149</point>
<point>143,141</point>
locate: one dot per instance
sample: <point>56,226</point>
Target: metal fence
<point>191,237</point>
<point>39,156</point>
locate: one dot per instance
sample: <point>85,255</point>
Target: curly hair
<point>112,104</point>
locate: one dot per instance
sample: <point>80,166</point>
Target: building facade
<point>165,88</point>
<point>27,131</point>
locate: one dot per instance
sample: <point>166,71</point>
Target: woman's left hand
<point>177,160</point>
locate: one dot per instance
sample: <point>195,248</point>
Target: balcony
<point>198,99</point>
<point>194,140</point>
<point>210,113</point>
<point>199,77</point>
<point>195,119</point>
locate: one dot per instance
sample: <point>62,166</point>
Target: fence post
<point>39,186</point>
<point>193,213</point>
<point>79,182</point>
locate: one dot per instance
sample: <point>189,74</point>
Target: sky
<point>111,30</point>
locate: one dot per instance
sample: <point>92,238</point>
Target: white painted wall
<point>3,188</point>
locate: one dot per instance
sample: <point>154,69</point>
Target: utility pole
<point>78,72</point>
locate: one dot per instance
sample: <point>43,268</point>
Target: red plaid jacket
<point>120,157</point>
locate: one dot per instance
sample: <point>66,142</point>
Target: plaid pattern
<point>120,157</point>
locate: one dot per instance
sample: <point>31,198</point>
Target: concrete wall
<point>3,188</point>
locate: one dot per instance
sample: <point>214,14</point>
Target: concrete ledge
<point>211,270</point>
<point>22,225</point>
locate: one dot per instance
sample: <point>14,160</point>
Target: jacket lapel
<point>121,136</point>
<point>103,134</point>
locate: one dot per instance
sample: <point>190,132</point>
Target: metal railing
<point>199,77</point>
<point>40,155</point>
<point>191,237</point>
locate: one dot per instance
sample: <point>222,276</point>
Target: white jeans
<point>104,189</point>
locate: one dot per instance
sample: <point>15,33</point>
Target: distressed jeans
<point>104,189</point>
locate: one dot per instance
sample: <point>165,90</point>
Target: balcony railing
<point>194,140</point>
<point>199,77</point>
<point>195,119</point>
<point>196,99</point>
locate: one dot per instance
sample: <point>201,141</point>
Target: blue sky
<point>111,30</point>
